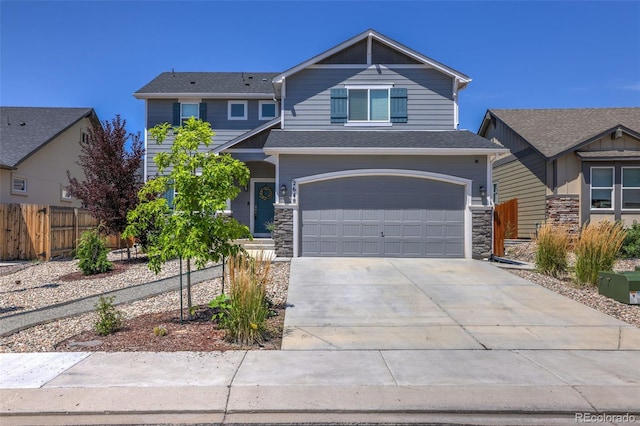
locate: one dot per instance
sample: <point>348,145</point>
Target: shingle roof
<point>209,82</point>
<point>453,139</point>
<point>24,130</point>
<point>555,131</point>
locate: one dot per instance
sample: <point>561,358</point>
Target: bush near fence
<point>36,231</point>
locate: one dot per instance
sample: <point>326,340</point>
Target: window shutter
<point>176,114</point>
<point>338,105</point>
<point>398,97</point>
<point>169,195</point>
<point>203,111</point>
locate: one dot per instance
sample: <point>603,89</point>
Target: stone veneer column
<point>482,235</point>
<point>283,230</point>
<point>564,210</point>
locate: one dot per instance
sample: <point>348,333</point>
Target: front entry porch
<point>254,205</point>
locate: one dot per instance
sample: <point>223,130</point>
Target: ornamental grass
<point>553,243</point>
<point>597,249</point>
<point>248,309</point>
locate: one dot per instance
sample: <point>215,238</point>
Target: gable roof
<point>461,142</point>
<point>553,132</point>
<point>463,79</point>
<point>209,84</point>
<point>24,130</point>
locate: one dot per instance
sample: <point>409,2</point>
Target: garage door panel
<point>382,216</point>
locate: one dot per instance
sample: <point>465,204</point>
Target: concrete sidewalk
<point>475,386</point>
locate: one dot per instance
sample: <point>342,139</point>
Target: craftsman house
<point>354,152</point>
<point>568,166</point>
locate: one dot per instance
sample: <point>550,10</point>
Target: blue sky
<point>542,54</point>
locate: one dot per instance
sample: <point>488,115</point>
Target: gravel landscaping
<point>30,293</point>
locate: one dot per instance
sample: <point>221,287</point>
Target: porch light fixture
<point>483,191</point>
<point>283,191</point>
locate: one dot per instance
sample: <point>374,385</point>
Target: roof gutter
<point>383,151</point>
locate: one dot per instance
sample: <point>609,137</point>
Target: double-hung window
<point>368,104</point>
<point>187,111</point>
<point>631,188</point>
<point>601,188</point>
<point>18,185</point>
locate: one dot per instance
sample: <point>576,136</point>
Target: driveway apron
<point>390,304</point>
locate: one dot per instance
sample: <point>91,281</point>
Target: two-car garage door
<point>382,216</point>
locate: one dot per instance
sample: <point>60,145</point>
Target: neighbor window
<point>19,185</point>
<point>368,104</point>
<point>187,111</point>
<point>601,187</point>
<point>237,110</point>
<point>64,193</point>
<point>267,110</point>
<point>495,192</point>
<point>631,187</point>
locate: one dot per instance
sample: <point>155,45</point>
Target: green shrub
<point>597,248</point>
<point>92,253</point>
<point>631,245</point>
<point>109,318</point>
<point>247,307</point>
<point>552,248</point>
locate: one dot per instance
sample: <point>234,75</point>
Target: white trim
<point>456,112</point>
<point>260,103</point>
<point>384,151</point>
<point>277,180</point>
<point>252,204</point>
<point>369,49</point>
<point>466,183</point>
<point>283,96</point>
<point>237,102</point>
<point>613,187</point>
<point>204,95</point>
<point>296,234</point>
<point>190,100</point>
<point>368,124</point>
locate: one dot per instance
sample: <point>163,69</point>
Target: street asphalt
<point>366,341</point>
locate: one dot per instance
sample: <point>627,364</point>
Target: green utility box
<point>621,286</point>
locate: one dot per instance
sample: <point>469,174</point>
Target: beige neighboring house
<point>567,165</point>
<point>37,147</point>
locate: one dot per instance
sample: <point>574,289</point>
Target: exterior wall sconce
<point>483,191</point>
<point>283,191</point>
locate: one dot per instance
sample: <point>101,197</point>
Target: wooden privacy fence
<point>35,231</point>
<point>505,224</point>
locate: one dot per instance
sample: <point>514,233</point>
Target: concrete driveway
<point>373,303</point>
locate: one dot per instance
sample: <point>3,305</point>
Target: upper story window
<point>182,111</point>
<point>267,110</point>
<point>237,110</point>
<point>369,105</point>
<point>601,188</point>
<point>187,111</point>
<point>631,187</point>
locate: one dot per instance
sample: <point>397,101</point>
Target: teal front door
<point>263,198</point>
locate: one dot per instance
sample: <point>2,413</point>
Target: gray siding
<point>429,93</point>
<point>524,179</point>
<point>297,166</point>
<point>221,137</point>
<point>507,137</point>
<point>161,111</point>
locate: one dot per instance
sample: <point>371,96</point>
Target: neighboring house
<point>37,147</point>
<point>354,152</point>
<point>567,165</point>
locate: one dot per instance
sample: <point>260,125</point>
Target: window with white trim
<point>601,188</point>
<point>267,110</point>
<point>237,110</point>
<point>368,104</point>
<point>188,110</point>
<point>631,188</point>
<point>18,185</point>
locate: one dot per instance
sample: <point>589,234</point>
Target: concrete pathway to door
<point>386,304</point>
